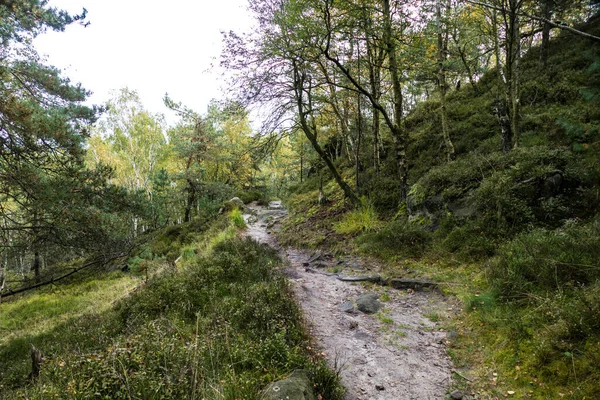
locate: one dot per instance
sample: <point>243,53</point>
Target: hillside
<point>514,235</point>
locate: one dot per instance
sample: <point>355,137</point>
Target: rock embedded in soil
<point>457,395</point>
<point>414,284</point>
<point>367,278</point>
<point>347,307</point>
<point>296,387</point>
<point>368,304</point>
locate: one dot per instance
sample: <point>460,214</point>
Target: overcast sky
<point>151,46</point>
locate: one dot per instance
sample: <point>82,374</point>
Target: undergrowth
<point>220,324</point>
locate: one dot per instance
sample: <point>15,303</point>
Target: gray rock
<point>296,387</point>
<point>552,185</point>
<point>236,201</point>
<point>463,208</point>
<point>457,395</point>
<point>347,307</point>
<point>250,219</point>
<point>367,303</point>
<point>275,205</point>
<point>428,209</point>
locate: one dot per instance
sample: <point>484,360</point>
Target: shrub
<point>543,261</point>
<point>397,238</point>
<point>470,242</point>
<point>223,326</point>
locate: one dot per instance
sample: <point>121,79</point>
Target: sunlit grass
<point>363,219</point>
<point>40,312</point>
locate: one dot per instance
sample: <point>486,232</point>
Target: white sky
<point>154,47</point>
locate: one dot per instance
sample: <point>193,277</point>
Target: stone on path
<point>457,395</point>
<point>367,303</point>
<point>347,307</point>
<point>296,387</point>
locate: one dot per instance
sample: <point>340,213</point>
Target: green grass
<point>237,218</point>
<point>363,219</point>
<point>43,311</point>
<point>221,325</point>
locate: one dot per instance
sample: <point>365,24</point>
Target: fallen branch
<point>72,272</point>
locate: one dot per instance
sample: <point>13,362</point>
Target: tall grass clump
<point>362,219</point>
<point>237,218</point>
<point>547,283</point>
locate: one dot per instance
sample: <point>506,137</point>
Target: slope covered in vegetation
<point>221,324</point>
<point>514,234</point>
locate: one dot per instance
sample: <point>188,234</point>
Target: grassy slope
<point>223,325</point>
<point>525,266</point>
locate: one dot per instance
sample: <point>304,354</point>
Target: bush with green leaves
<point>543,261</point>
<point>469,241</point>
<point>224,325</point>
<point>397,238</point>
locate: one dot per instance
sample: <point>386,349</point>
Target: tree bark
<point>442,51</point>
<point>513,53</point>
<point>190,201</point>
<point>398,134</point>
<point>311,131</point>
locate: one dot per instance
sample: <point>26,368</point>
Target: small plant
<point>237,218</point>
<point>363,219</point>
<point>433,317</point>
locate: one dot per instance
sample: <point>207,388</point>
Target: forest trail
<point>398,353</point>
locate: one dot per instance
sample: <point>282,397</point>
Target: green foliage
<point>223,325</point>
<point>237,218</point>
<point>168,242</point>
<point>396,239</point>
<point>543,261</point>
<point>253,195</point>
<point>470,241</point>
<point>363,219</point>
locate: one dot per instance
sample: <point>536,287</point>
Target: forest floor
<point>397,353</point>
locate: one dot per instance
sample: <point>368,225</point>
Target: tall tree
<point>277,67</point>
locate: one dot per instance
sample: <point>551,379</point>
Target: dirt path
<point>398,353</point>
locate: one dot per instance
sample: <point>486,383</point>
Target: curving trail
<point>395,354</point>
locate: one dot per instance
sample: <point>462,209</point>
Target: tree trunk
<point>375,62</point>
<point>190,201</point>
<point>513,53</point>
<point>546,14</point>
<point>301,165</point>
<point>311,132</point>
<point>442,51</point>
<point>36,363</point>
<point>501,104</point>
<point>398,134</point>
<point>359,126</point>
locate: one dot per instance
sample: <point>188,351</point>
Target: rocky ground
<point>385,342</point>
